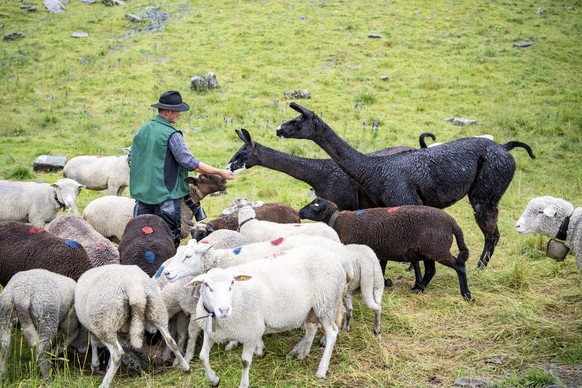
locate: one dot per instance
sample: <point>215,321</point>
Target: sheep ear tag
<point>242,278</point>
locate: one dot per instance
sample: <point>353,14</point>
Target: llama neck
<point>310,171</point>
<point>340,151</point>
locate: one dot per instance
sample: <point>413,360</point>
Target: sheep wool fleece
<point>155,176</point>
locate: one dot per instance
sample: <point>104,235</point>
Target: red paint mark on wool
<point>35,230</point>
<point>297,225</point>
<point>203,242</point>
<point>277,241</point>
<point>147,230</point>
<point>275,255</point>
<point>392,209</point>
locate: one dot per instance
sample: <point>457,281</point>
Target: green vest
<point>154,175</point>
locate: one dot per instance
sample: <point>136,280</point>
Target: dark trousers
<point>168,210</point>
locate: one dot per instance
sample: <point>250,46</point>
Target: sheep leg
<point>205,358</point>
<point>348,313</point>
<point>115,356</point>
<point>43,349</point>
<point>387,282</point>
<point>247,359</point>
<point>331,332</point>
<point>172,345</point>
<point>193,331</point>
<point>95,363</point>
<point>7,322</point>
<point>303,347</point>
<point>414,257</point>
<point>429,271</point>
<point>462,275</point>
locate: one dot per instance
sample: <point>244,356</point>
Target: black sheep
<point>433,176</point>
<point>403,233</point>
<point>24,247</point>
<point>147,242</point>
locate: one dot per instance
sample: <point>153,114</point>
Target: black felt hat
<point>172,100</point>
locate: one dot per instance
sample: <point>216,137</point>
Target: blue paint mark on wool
<point>71,243</point>
<point>360,212</point>
<point>150,257</point>
<point>159,272</point>
<point>236,250</point>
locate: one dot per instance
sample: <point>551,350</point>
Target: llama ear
<point>300,109</point>
<point>247,136</point>
<point>240,135</point>
<point>550,211</point>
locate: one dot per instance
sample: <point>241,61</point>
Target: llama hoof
<point>388,283</point>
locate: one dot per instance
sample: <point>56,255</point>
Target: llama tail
<point>513,144</point>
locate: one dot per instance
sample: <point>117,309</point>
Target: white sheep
<point>114,297</point>
<point>100,250</point>
<point>109,215</point>
<point>243,303</point>
<point>261,230</point>
<point>555,218</point>
<point>109,173</point>
<point>37,203</point>
<point>42,302</point>
<point>368,277</point>
<point>195,258</point>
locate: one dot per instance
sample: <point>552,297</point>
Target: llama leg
<point>486,218</point>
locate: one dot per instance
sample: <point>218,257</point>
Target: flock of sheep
<point>65,274</point>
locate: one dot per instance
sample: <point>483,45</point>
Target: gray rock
<point>524,44</point>
<point>80,34</point>
<point>133,18</point>
<point>375,36</point>
<point>303,93</point>
<point>469,382</point>
<point>29,8</point>
<point>461,121</point>
<point>206,82</point>
<point>88,1</point>
<point>13,36</point>
<point>54,6</point>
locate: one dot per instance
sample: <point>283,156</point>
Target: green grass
<point>61,95</point>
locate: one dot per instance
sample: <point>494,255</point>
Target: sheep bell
<point>557,250</point>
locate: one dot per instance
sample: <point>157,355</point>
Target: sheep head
<point>318,210</point>
<point>204,184</point>
<point>544,215</point>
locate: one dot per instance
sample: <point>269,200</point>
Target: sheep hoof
<point>388,283</point>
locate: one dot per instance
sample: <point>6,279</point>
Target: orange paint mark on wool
<point>35,230</point>
<point>392,209</point>
<point>147,230</point>
<point>297,225</point>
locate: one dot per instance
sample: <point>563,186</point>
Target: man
<point>159,163</point>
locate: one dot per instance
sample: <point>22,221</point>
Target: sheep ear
<point>190,180</point>
<point>227,212</point>
<point>257,203</point>
<point>550,211</point>
<point>242,278</point>
<point>197,281</point>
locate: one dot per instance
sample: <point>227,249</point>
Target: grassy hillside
<point>61,95</point>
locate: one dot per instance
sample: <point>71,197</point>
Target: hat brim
<point>183,107</point>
